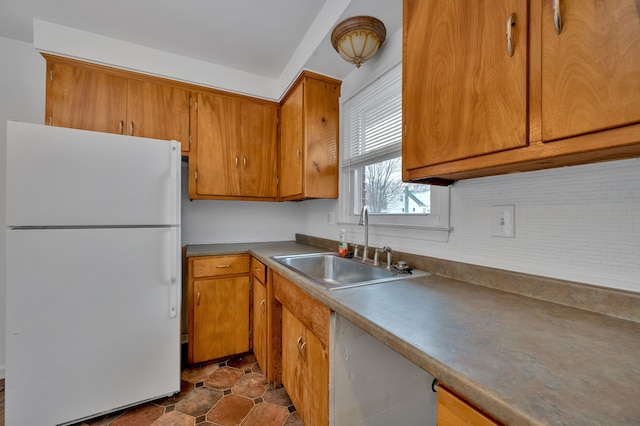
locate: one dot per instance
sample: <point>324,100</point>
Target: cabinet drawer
<point>212,266</point>
<point>258,270</point>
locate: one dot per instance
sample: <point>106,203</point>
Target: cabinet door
<point>317,358</point>
<point>321,123</point>
<point>590,71</point>
<point>294,368</point>
<point>157,111</point>
<point>218,158</point>
<point>221,318</point>
<point>259,150</point>
<point>453,411</point>
<point>83,98</point>
<point>260,323</point>
<point>463,95</point>
<point>291,138</point>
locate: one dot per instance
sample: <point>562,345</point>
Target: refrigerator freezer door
<point>91,324</point>
<point>68,177</point>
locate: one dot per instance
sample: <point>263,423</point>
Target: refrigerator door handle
<point>174,253</point>
<point>174,202</point>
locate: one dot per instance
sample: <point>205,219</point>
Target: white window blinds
<point>373,120</point>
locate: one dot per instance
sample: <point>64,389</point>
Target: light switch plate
<point>503,221</point>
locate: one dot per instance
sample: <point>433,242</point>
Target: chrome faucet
<point>364,220</point>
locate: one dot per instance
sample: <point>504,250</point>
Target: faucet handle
<point>388,250</point>
<point>376,257</point>
<point>355,250</point>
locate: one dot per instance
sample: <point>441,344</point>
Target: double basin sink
<point>334,272</point>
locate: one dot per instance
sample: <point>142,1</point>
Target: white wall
<point>22,94</point>
<point>579,223</point>
<point>220,221</point>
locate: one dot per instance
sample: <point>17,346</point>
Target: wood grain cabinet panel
<point>302,327</point>
<point>463,94</point>
<point>158,111</point>
<point>218,307</point>
<point>92,97</point>
<point>590,71</point>
<point>235,155</point>
<point>260,314</point>
<point>455,411</point>
<point>86,99</point>
<point>309,139</point>
<point>566,96</point>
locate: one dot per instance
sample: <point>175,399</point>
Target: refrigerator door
<point>91,321</point>
<point>67,177</point>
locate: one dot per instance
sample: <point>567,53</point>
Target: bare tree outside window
<point>384,192</point>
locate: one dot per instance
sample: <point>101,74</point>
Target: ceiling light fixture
<point>358,38</point>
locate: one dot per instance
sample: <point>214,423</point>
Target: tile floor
<point>234,392</point>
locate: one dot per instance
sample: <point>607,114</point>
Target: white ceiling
<point>256,36</point>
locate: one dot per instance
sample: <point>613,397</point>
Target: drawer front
<point>212,266</point>
<point>259,270</point>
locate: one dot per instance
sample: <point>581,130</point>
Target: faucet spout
<point>364,221</point>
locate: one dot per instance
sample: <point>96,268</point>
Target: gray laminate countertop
<point>525,361</point>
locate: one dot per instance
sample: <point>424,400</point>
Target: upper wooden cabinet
<point>235,151</point>
<point>309,134</point>
<point>461,87</point>
<point>91,97</point>
<point>471,108</point>
<point>591,69</point>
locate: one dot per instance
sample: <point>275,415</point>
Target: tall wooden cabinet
<point>218,306</point>
<point>235,152</point>
<point>493,87</point>
<point>309,135</point>
<point>91,97</point>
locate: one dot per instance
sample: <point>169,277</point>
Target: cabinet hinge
<point>250,335</point>
<point>50,74</point>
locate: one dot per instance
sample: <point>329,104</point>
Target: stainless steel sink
<point>334,272</point>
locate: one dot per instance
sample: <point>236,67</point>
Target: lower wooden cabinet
<point>305,370</point>
<point>218,307</point>
<point>260,311</point>
<point>454,411</point>
<point>301,362</point>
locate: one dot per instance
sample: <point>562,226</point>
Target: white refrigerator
<point>93,273</point>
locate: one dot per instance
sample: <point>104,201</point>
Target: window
<point>372,162</point>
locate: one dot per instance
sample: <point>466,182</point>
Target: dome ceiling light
<point>358,38</point>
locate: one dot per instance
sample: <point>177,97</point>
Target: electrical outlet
<point>330,219</point>
<point>503,221</point>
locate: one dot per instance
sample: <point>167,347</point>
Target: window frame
<point>436,220</point>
